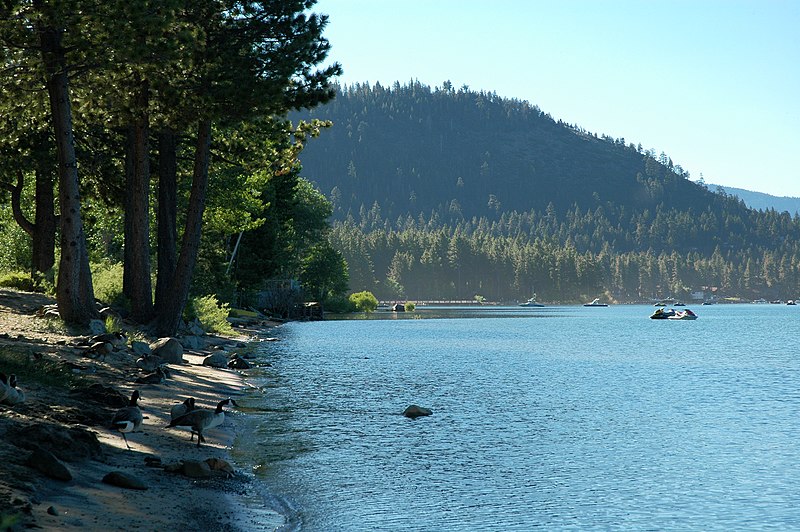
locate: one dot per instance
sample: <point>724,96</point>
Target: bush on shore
<point>364,301</point>
<point>212,314</point>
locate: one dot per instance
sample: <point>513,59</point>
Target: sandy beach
<point>171,500</point>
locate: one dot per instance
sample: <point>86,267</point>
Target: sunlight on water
<point>594,418</point>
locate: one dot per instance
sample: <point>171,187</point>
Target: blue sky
<point>715,84</point>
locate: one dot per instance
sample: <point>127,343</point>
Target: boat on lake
<point>531,302</point>
<point>683,315</point>
<point>662,314</point>
<point>595,303</point>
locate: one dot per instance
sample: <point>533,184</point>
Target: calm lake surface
<point>553,418</point>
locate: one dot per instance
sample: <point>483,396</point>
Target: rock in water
<point>237,362</point>
<point>414,411</point>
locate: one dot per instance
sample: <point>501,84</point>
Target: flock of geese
<point>185,414</point>
<point>129,419</point>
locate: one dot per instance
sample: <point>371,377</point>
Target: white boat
<point>531,302</point>
<point>595,303</point>
<point>683,315</point>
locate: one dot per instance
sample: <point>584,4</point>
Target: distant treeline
<point>573,257</point>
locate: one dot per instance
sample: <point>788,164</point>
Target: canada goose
<point>181,408</point>
<point>201,419</point>
<point>157,377</point>
<point>9,393</point>
<point>117,339</point>
<point>99,350</point>
<point>129,418</point>
<point>3,387</point>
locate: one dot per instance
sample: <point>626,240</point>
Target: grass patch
<point>46,372</point>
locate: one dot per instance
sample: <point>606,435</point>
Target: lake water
<point>552,418</point>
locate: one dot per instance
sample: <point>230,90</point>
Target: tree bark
<point>44,236</point>
<point>169,317</point>
<point>137,215</point>
<point>127,206</point>
<point>74,291</point>
<point>167,215</point>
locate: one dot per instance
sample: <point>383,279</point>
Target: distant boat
<point>595,303</point>
<point>531,303</point>
<point>683,315</point>
<point>791,302</point>
<point>662,314</point>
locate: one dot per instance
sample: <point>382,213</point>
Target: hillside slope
<point>413,149</point>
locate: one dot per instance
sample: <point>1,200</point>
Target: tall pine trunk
<point>74,291</point>
<point>169,316</point>
<point>167,215</point>
<point>137,285</point>
<point>127,206</point>
<point>44,237</point>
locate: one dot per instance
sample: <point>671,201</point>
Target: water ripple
<point>579,422</point>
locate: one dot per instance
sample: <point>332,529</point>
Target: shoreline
<point>171,500</point>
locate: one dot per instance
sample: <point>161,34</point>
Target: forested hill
<point>448,194</point>
<point>412,149</point>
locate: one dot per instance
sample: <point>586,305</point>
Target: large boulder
<point>140,348</point>
<point>97,327</point>
<point>217,360</point>
<point>195,328</point>
<point>46,463</point>
<point>169,349</point>
<point>192,342</point>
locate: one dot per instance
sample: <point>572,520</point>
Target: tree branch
<point>16,205</point>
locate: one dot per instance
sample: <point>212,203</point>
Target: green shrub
<point>107,283</point>
<point>212,314</point>
<point>339,305</point>
<point>113,324</point>
<point>24,282</point>
<point>364,301</point>
<point>18,281</point>
<point>410,306</point>
<point>15,253</point>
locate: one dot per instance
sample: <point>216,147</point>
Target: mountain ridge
<point>762,200</point>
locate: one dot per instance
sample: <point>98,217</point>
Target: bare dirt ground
<point>73,423</point>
